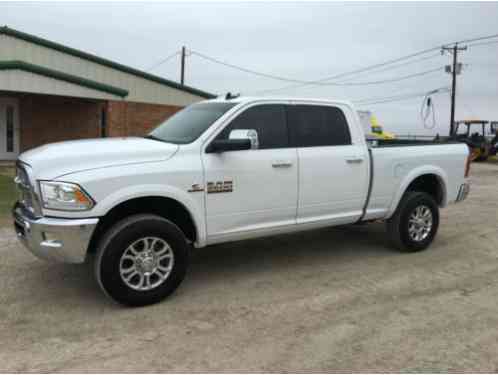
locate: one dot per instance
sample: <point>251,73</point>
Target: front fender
<point>155,190</point>
<point>411,176</point>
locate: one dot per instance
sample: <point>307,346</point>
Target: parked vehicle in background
<point>481,139</point>
<point>226,170</point>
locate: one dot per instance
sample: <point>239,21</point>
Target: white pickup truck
<point>225,170</point>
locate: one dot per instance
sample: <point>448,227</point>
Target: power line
<point>246,70</point>
<point>442,88</point>
<point>303,82</point>
<point>472,40</point>
<point>161,62</point>
<point>317,83</point>
<point>387,99</point>
<point>438,69</point>
<point>483,43</point>
<point>296,83</point>
<point>430,108</point>
<point>361,70</point>
<point>372,67</point>
<point>401,98</point>
<point>438,54</point>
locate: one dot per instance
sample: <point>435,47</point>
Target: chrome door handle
<point>354,159</point>
<point>281,164</point>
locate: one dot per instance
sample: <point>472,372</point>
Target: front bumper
<point>60,240</point>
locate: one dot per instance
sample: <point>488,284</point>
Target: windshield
<point>188,124</point>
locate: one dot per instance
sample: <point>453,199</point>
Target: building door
<point>9,128</point>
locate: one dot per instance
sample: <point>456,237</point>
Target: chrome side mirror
<point>250,134</point>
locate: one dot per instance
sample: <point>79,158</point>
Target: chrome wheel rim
<point>146,263</point>
<point>420,223</point>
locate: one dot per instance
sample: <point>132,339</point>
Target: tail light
<point>467,163</point>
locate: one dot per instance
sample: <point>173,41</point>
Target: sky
<point>304,41</point>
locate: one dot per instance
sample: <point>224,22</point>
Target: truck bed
<point>393,161</point>
<point>404,142</point>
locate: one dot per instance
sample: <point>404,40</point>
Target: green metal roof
<point>37,69</point>
<point>99,60</point>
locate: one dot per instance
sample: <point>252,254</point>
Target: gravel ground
<point>327,300</point>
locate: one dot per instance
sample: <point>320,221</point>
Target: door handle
<point>354,159</point>
<point>281,164</point>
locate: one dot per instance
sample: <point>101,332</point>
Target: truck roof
<point>250,99</point>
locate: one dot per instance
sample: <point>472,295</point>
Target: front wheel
<point>415,222</point>
<point>141,260</point>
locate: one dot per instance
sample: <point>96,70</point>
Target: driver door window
<point>269,122</point>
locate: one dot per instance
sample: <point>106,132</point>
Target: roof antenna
<point>229,96</point>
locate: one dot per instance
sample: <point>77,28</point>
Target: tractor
<point>482,142</point>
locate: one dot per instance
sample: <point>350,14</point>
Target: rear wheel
<point>141,260</point>
<point>415,222</point>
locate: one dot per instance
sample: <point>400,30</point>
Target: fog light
<point>51,240</point>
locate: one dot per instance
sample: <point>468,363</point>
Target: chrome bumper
<point>463,192</point>
<point>60,240</point>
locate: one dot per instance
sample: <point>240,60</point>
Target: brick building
<point>50,92</point>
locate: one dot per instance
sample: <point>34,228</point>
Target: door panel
<point>264,190</point>
<point>333,183</point>
<point>333,171</point>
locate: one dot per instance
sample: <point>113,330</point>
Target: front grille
<point>25,188</point>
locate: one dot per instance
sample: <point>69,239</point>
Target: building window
<point>10,129</point>
<point>103,123</point>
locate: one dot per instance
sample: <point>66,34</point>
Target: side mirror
<point>238,140</point>
<point>222,145</point>
<point>250,134</point>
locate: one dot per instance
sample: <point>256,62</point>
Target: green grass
<point>8,194</point>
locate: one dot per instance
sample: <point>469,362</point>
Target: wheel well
<point>165,207</point>
<point>430,184</point>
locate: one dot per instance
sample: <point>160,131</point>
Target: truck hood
<point>58,159</point>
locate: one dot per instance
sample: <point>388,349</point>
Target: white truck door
<point>252,190</point>
<point>333,164</point>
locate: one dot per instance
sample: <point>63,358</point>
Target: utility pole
<point>182,76</point>
<point>455,69</point>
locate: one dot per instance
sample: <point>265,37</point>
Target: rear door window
<point>313,126</point>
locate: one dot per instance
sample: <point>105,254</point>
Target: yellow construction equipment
<point>378,131</point>
<point>372,128</point>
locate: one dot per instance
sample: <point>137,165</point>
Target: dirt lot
<point>327,300</point>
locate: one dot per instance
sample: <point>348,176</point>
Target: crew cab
<point>223,170</point>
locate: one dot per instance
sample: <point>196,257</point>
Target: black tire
<point>116,241</point>
<point>398,225</point>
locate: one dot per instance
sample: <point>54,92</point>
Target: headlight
<point>64,196</point>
